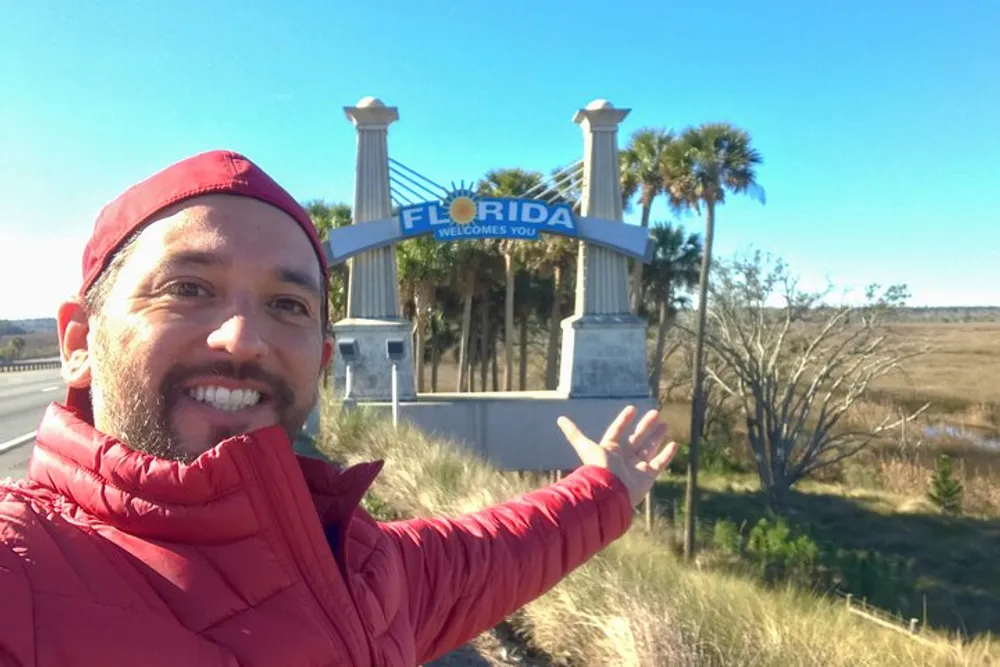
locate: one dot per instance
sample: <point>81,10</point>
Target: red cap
<point>219,171</point>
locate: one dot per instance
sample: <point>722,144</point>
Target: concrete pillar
<point>604,344</point>
<point>373,317</point>
<point>373,291</point>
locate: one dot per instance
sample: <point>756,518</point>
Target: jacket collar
<point>209,500</point>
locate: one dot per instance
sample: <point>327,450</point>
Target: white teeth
<point>222,398</point>
<point>235,399</point>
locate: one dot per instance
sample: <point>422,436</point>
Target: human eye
<point>292,305</point>
<point>186,289</point>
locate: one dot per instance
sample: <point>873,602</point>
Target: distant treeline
<point>947,314</point>
<point>21,327</point>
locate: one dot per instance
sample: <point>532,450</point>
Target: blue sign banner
<point>465,216</point>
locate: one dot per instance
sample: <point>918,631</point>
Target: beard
<point>140,418</point>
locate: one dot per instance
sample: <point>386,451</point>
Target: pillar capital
<point>600,116</point>
<point>371,113</point>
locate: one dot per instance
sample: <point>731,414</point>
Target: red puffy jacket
<point>251,556</point>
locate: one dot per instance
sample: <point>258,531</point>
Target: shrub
<point>779,555</point>
<point>715,455</point>
<point>727,538</point>
<point>946,491</point>
<point>885,581</point>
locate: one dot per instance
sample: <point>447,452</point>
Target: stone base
<point>512,430</point>
<point>604,356</point>
<point>371,372</point>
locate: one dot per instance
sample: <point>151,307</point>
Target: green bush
<point>946,491</point>
<point>727,538</point>
<point>772,550</point>
<point>780,555</point>
<point>885,581</point>
<point>714,456</point>
<point>777,554</point>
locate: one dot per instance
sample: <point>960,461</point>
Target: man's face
<point>212,329</point>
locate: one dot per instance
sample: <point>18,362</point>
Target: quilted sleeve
<point>466,574</point>
<point>17,637</point>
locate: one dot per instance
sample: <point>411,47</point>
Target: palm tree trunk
<point>418,356</point>
<point>494,363</point>
<point>435,358</point>
<point>698,389</point>
<point>463,346</point>
<point>484,341</point>
<point>467,378</point>
<point>552,359</point>
<point>421,298</point>
<point>637,265</point>
<point>508,369</point>
<point>661,339</point>
<point>522,342</point>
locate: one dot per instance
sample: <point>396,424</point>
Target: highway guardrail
<point>29,365</point>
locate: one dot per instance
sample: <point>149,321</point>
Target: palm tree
<point>424,265</point>
<point>674,267</point>
<point>508,183</point>
<point>326,217</point>
<point>642,172</point>
<point>442,336</point>
<point>471,265</point>
<point>552,257</point>
<point>707,162</point>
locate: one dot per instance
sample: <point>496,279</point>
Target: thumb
<point>581,443</point>
<point>570,430</point>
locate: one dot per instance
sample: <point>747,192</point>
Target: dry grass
<point>633,604</point>
<point>908,473</point>
<point>958,374</point>
<point>958,377</point>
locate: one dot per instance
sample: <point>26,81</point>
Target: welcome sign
<point>463,215</point>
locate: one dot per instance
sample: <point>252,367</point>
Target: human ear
<point>327,357</point>
<point>74,327</point>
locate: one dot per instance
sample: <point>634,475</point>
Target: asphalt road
<point>23,399</point>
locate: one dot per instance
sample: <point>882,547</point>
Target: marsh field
<point>866,526</point>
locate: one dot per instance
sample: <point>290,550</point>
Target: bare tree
<point>798,367</point>
<point>720,407</point>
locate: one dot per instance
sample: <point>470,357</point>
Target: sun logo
<point>461,205</point>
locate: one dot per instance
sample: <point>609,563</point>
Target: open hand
<point>636,459</point>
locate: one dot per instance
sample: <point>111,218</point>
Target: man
<point>166,519</point>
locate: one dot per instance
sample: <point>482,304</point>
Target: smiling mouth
<point>225,399</point>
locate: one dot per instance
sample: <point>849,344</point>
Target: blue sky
<point>877,120</point>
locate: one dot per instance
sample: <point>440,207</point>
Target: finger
<point>652,441</point>
<point>616,431</point>
<point>662,460</point>
<point>573,433</point>
<point>581,444</point>
<point>569,429</point>
<point>646,428</point>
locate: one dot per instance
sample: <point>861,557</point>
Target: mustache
<point>277,389</point>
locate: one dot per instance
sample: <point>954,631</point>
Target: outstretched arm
<point>466,574</point>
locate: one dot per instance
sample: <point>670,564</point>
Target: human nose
<point>240,337</point>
